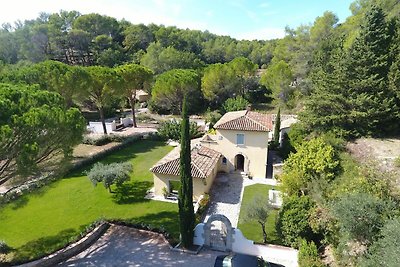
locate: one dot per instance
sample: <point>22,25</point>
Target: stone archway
<point>218,239</point>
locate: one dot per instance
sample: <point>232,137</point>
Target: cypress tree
<point>185,200</point>
<point>277,127</point>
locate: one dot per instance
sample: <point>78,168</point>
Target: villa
<point>240,143</point>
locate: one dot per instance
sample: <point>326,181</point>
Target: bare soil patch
<point>382,151</point>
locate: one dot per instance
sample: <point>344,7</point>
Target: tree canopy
<point>102,85</point>
<point>170,88</point>
<point>36,129</point>
<point>133,77</point>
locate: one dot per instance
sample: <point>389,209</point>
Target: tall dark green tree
<point>277,127</point>
<point>394,72</point>
<point>352,94</point>
<point>328,107</point>
<point>367,75</point>
<point>185,201</point>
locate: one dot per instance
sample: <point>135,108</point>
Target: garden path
<point>226,197</point>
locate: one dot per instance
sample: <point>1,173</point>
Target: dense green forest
<point>294,65</point>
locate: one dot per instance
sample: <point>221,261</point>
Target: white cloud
<point>262,34</point>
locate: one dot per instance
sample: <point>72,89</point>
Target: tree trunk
<point>103,121</point>
<point>132,103</point>
<point>264,233</point>
<point>109,189</point>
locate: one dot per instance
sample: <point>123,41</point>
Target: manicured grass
<point>252,230</point>
<point>46,219</point>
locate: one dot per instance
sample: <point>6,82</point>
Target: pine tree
<point>277,127</point>
<point>354,93</point>
<point>327,108</point>
<point>373,105</point>
<point>185,201</point>
<point>394,72</point>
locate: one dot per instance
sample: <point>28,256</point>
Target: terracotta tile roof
<point>245,121</point>
<point>203,162</point>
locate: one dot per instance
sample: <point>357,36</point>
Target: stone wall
<point>240,244</point>
<point>71,250</point>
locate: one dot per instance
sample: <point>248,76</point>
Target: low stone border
<point>71,250</point>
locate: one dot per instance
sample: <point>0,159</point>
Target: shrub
<point>105,139</point>
<point>314,160</point>
<point>397,162</point>
<point>308,255</point>
<point>385,251</point>
<point>172,130</point>
<point>212,117</point>
<point>4,248</point>
<point>165,192</point>
<point>235,104</point>
<point>109,174</point>
<point>96,141</point>
<point>144,117</point>
<point>286,147</point>
<point>203,205</point>
<point>360,215</point>
<point>293,220</point>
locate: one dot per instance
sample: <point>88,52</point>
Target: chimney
<point>248,107</point>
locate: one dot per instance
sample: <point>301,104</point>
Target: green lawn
<point>45,220</point>
<point>252,230</point>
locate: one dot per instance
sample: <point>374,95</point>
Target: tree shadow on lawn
<point>132,192</point>
<point>45,245</point>
<point>122,155</point>
<point>22,200</point>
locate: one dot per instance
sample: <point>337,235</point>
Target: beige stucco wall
<point>200,186</point>
<point>254,150</point>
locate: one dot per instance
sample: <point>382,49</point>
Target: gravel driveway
<point>124,246</point>
<point>225,195</point>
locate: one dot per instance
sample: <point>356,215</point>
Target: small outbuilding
<point>204,169</point>
<point>142,96</point>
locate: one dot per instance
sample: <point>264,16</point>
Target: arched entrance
<point>239,162</point>
<point>218,233</point>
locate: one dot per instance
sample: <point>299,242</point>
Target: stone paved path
<point>124,246</point>
<point>226,196</point>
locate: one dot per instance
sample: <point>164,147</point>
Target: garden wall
<point>72,250</point>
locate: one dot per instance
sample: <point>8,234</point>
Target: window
<point>174,186</point>
<point>224,160</point>
<point>240,139</point>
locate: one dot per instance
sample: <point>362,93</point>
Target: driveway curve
<point>124,246</point>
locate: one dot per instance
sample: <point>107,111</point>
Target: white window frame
<point>237,139</point>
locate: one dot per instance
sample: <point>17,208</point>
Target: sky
<point>251,19</point>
